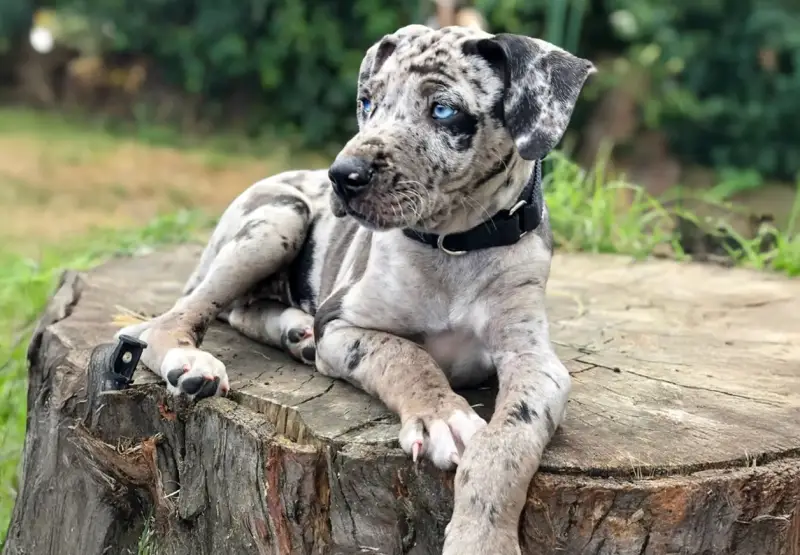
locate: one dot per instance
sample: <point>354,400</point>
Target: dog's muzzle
<point>350,176</point>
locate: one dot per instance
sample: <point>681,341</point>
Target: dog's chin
<point>372,222</point>
<point>375,222</point>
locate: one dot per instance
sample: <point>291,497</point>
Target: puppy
<point>417,262</point>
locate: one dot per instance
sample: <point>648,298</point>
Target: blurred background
<point>693,94</point>
<point>129,123</point>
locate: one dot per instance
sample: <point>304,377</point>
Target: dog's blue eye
<point>441,111</point>
<point>366,105</point>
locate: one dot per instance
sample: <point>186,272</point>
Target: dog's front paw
<point>195,373</point>
<point>440,430</point>
<point>479,537</point>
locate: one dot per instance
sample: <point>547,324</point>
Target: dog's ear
<point>541,84</point>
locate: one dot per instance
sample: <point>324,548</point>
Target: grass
<point>592,212</point>
<point>64,179</point>
<point>81,193</point>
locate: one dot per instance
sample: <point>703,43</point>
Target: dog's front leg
<point>492,480</point>
<point>436,422</point>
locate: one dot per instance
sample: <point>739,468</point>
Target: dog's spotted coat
<point>451,122</point>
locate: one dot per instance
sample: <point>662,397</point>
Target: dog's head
<point>450,124</point>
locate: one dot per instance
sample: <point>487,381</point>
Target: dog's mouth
<point>379,208</point>
<point>371,221</point>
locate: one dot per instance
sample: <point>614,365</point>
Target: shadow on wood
<point>682,436</point>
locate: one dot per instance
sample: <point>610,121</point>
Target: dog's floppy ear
<point>541,86</point>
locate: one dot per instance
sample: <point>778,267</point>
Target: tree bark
<point>682,436</point>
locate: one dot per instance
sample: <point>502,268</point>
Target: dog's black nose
<point>350,176</point>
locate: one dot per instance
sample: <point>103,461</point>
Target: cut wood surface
<point>682,434</point>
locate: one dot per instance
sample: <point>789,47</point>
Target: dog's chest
<point>461,352</point>
<point>445,314</point>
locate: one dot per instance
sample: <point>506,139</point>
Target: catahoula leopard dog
<point>416,264</point>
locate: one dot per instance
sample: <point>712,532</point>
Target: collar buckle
<point>441,247</point>
<point>519,205</point>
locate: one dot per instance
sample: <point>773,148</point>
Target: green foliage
<point>296,60</point>
<point>587,212</point>
<point>725,78</point>
<point>722,77</point>
<point>15,16</point>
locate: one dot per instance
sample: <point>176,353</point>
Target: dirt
<point>62,189</point>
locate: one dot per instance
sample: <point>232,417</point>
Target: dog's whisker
<point>482,209</point>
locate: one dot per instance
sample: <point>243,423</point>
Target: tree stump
<point>682,434</point>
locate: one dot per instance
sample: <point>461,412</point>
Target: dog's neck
<point>500,193</point>
<point>499,227</point>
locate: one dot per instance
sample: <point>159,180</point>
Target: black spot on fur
<point>255,202</point>
<point>529,281</point>
<point>355,355</point>
<point>499,167</point>
<point>522,412</point>
<point>385,49</point>
<point>300,289</point>
<point>463,478</point>
<point>330,310</point>
<point>440,69</point>
<point>497,110</point>
<point>247,230</point>
<point>478,86</point>
<point>551,425</point>
<point>198,332</point>
<point>297,204</point>
<point>491,514</point>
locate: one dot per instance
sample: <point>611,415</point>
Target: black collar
<point>503,229</point>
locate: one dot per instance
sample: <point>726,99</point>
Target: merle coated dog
<point>415,264</point>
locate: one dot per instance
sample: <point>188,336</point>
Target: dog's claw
<point>455,459</point>
<point>415,449</point>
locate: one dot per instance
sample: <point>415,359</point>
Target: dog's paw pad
<point>299,342</point>
<point>194,373</point>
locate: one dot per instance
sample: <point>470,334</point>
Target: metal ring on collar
<point>516,207</point>
<point>440,245</point>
